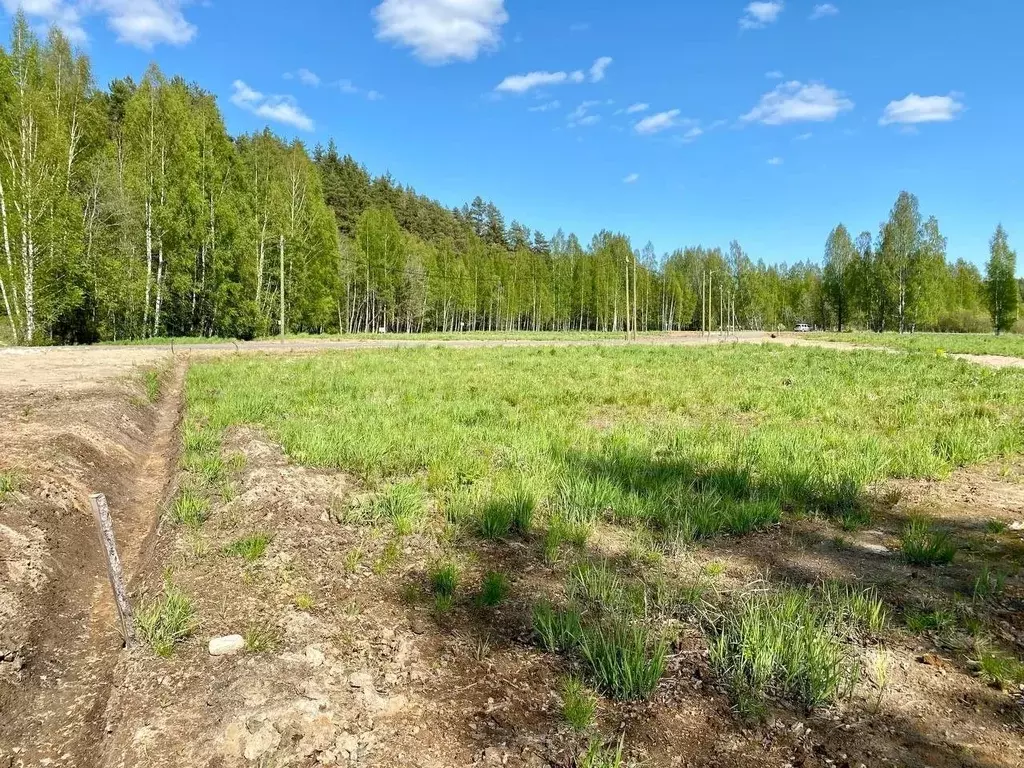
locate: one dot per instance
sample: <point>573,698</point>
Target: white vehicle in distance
<point>802,328</point>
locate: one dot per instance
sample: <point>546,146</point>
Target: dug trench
<point>60,640</point>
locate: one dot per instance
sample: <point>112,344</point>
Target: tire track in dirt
<point>56,714</point>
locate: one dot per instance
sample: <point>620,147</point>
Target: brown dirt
<point>369,675</point>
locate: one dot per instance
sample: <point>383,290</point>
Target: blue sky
<point>678,122</point>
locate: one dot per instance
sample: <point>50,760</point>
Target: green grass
<point>790,644</point>
<point>153,383</point>
<point>923,544</point>
<point>625,661</point>
<point>10,481</point>
<point>579,704</point>
<point>937,620</point>
<point>191,507</point>
<point>999,669</point>
<point>686,456</point>
<point>600,756</point>
<point>1011,345</point>
<point>261,638</point>
<point>166,620</point>
<point>444,578</point>
<point>250,548</point>
<point>494,589</point>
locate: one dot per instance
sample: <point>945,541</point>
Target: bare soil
<point>358,668</point>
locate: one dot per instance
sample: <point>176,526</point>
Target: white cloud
<point>775,161</point>
<point>922,109</point>
<point>804,136</point>
<point>662,121</point>
<point>794,102</point>
<point>307,77</point>
<point>632,109</point>
<point>822,10</point>
<point>523,83</point>
<point>581,115</point>
<point>440,31</point>
<point>773,75</point>
<point>761,13</point>
<point>281,109</point>
<point>588,120</point>
<point>374,95</point>
<point>345,86</point>
<point>598,68</point>
<point>143,23</point>
<point>632,178</point>
<point>547,106</point>
<point>693,134</point>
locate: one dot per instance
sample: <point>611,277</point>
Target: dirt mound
<point>60,641</point>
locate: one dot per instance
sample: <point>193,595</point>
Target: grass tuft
<point>623,659</point>
<point>166,620</point>
<point>444,578</point>
<point>494,589</point>
<point>923,544</point>
<point>250,548</point>
<point>191,507</point>
<point>599,756</point>
<point>579,704</point>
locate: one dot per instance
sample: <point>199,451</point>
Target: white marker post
<point>101,512</point>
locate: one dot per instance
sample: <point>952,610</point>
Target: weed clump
<point>923,544</point>
<point>191,507</point>
<point>444,578</point>
<point>494,589</point>
<point>578,703</point>
<point>166,620</point>
<point>250,548</point>
<point>789,644</point>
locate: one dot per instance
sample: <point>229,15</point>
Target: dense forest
<point>130,212</point>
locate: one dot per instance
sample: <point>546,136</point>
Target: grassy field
<point>1010,345</point>
<point>671,449</point>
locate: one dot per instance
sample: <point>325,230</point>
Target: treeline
<point>130,212</point>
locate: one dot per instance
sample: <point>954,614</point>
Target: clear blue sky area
<point>680,122</point>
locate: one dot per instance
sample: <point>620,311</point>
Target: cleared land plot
<point>529,552</point>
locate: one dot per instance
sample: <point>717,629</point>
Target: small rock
<point>1017,525</point>
<point>360,680</point>
<point>261,742</point>
<point>314,656</point>
<point>933,660</point>
<point>228,645</point>
<point>878,549</point>
<point>493,756</point>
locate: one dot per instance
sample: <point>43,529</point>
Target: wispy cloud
<point>441,31</point>
<point>581,116</point>
<point>821,10</point>
<point>795,102</point>
<point>598,68</point>
<point>304,76</point>
<point>804,136</point>
<point>773,75</point>
<point>775,161</point>
<point>632,109</point>
<point>914,109</point>
<point>539,79</point>
<point>632,178</point>
<point>547,106</point>
<point>347,86</point>
<point>657,123</point>
<point>142,23</point>
<point>280,109</point>
<point>693,134</point>
<point>761,13</point>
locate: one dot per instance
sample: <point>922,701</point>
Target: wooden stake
<point>101,512</point>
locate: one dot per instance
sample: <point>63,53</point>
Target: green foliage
<point>166,620</point>
<point>151,379</point>
<point>579,704</point>
<point>190,507</point>
<point>790,643</point>
<point>1001,283</point>
<point>1001,670</point>
<point>923,544</point>
<point>599,756</point>
<point>444,578</point>
<point>494,589</point>
<point>250,548</point>
<point>622,658</point>
<point>10,481</point>
<point>937,620</point>
<point>261,638</point>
